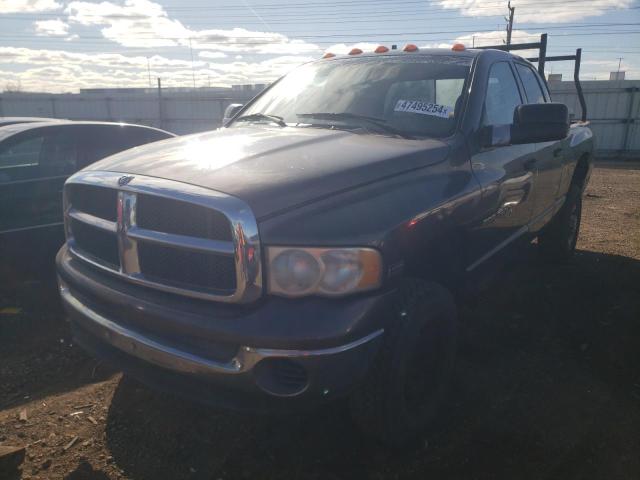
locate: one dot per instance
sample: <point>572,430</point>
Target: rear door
<point>58,160</point>
<point>22,181</point>
<point>549,155</point>
<point>506,173</point>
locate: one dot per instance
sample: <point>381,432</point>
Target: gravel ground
<point>547,387</point>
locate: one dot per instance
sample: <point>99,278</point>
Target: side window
<point>23,150</point>
<point>100,142</point>
<point>140,136</point>
<point>502,97</point>
<point>105,140</point>
<point>60,152</point>
<point>532,87</point>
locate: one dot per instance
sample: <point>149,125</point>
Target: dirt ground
<point>547,387</point>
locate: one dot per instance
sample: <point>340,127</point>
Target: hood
<point>273,169</point>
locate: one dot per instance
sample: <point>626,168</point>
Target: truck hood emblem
<point>124,180</point>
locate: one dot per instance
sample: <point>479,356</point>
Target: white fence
<point>181,113</point>
<point>612,109</point>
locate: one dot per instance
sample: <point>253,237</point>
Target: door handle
<point>530,164</point>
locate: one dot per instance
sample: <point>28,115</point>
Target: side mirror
<point>540,122</point>
<point>231,112</point>
<point>534,123</point>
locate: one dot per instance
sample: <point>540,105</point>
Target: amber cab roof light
<point>355,51</point>
<point>410,47</point>
<point>329,55</point>
<point>381,49</point>
<point>458,47</point>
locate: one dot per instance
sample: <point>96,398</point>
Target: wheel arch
<point>582,171</point>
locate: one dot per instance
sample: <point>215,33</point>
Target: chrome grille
<point>166,235</point>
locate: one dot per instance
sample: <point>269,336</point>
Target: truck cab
<point>311,249</point>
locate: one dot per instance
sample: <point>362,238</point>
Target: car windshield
<point>411,96</point>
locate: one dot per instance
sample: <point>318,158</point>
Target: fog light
<point>281,377</point>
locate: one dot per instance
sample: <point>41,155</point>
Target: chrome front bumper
<point>167,357</point>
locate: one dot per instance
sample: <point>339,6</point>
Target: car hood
<point>274,169</point>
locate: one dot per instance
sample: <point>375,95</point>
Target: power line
<point>250,39</point>
<point>200,11</point>
<point>100,41</point>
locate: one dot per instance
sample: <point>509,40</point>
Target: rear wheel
<point>410,377</point>
<point>557,242</point>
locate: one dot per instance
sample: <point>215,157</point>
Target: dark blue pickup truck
<point>313,248</point>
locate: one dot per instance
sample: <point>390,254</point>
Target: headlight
<point>296,272</point>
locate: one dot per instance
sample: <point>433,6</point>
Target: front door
<point>549,155</point>
<point>506,174</point>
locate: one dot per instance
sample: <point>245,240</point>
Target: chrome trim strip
<point>270,352</point>
<point>529,227</point>
<point>245,246</point>
<point>92,220</point>
<point>517,234</point>
<point>22,229</point>
<point>33,180</point>
<point>173,359</point>
<point>182,241</point>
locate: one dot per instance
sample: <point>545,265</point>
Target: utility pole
<point>149,72</point>
<point>619,63</point>
<point>193,73</point>
<point>160,112</point>
<point>509,19</point>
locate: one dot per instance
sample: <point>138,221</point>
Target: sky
<point>65,45</point>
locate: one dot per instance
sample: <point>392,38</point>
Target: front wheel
<point>410,377</point>
<point>557,242</point>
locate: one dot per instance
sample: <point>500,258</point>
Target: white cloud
<point>208,54</point>
<point>143,23</point>
<point>28,6</point>
<point>497,37</point>
<point>343,49</point>
<point>51,28</point>
<point>62,71</point>
<point>531,11</point>
<point>28,56</point>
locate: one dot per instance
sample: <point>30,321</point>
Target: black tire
<point>407,384</point>
<point>557,241</point>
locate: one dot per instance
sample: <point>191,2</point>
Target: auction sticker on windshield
<point>424,108</point>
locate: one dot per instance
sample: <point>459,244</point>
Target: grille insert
<point>181,218</point>
<point>184,268</point>
<point>96,242</point>
<point>98,201</point>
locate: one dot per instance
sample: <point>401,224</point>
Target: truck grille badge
<point>124,180</point>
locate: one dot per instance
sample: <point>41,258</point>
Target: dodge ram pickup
<point>313,247</point>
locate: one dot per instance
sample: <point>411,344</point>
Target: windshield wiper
<point>378,122</point>
<point>261,116</point>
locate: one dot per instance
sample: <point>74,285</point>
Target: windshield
<point>413,96</point>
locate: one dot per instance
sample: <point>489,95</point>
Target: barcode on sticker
<point>424,108</point>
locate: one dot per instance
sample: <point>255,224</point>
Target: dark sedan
<point>12,120</point>
<point>35,160</point>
